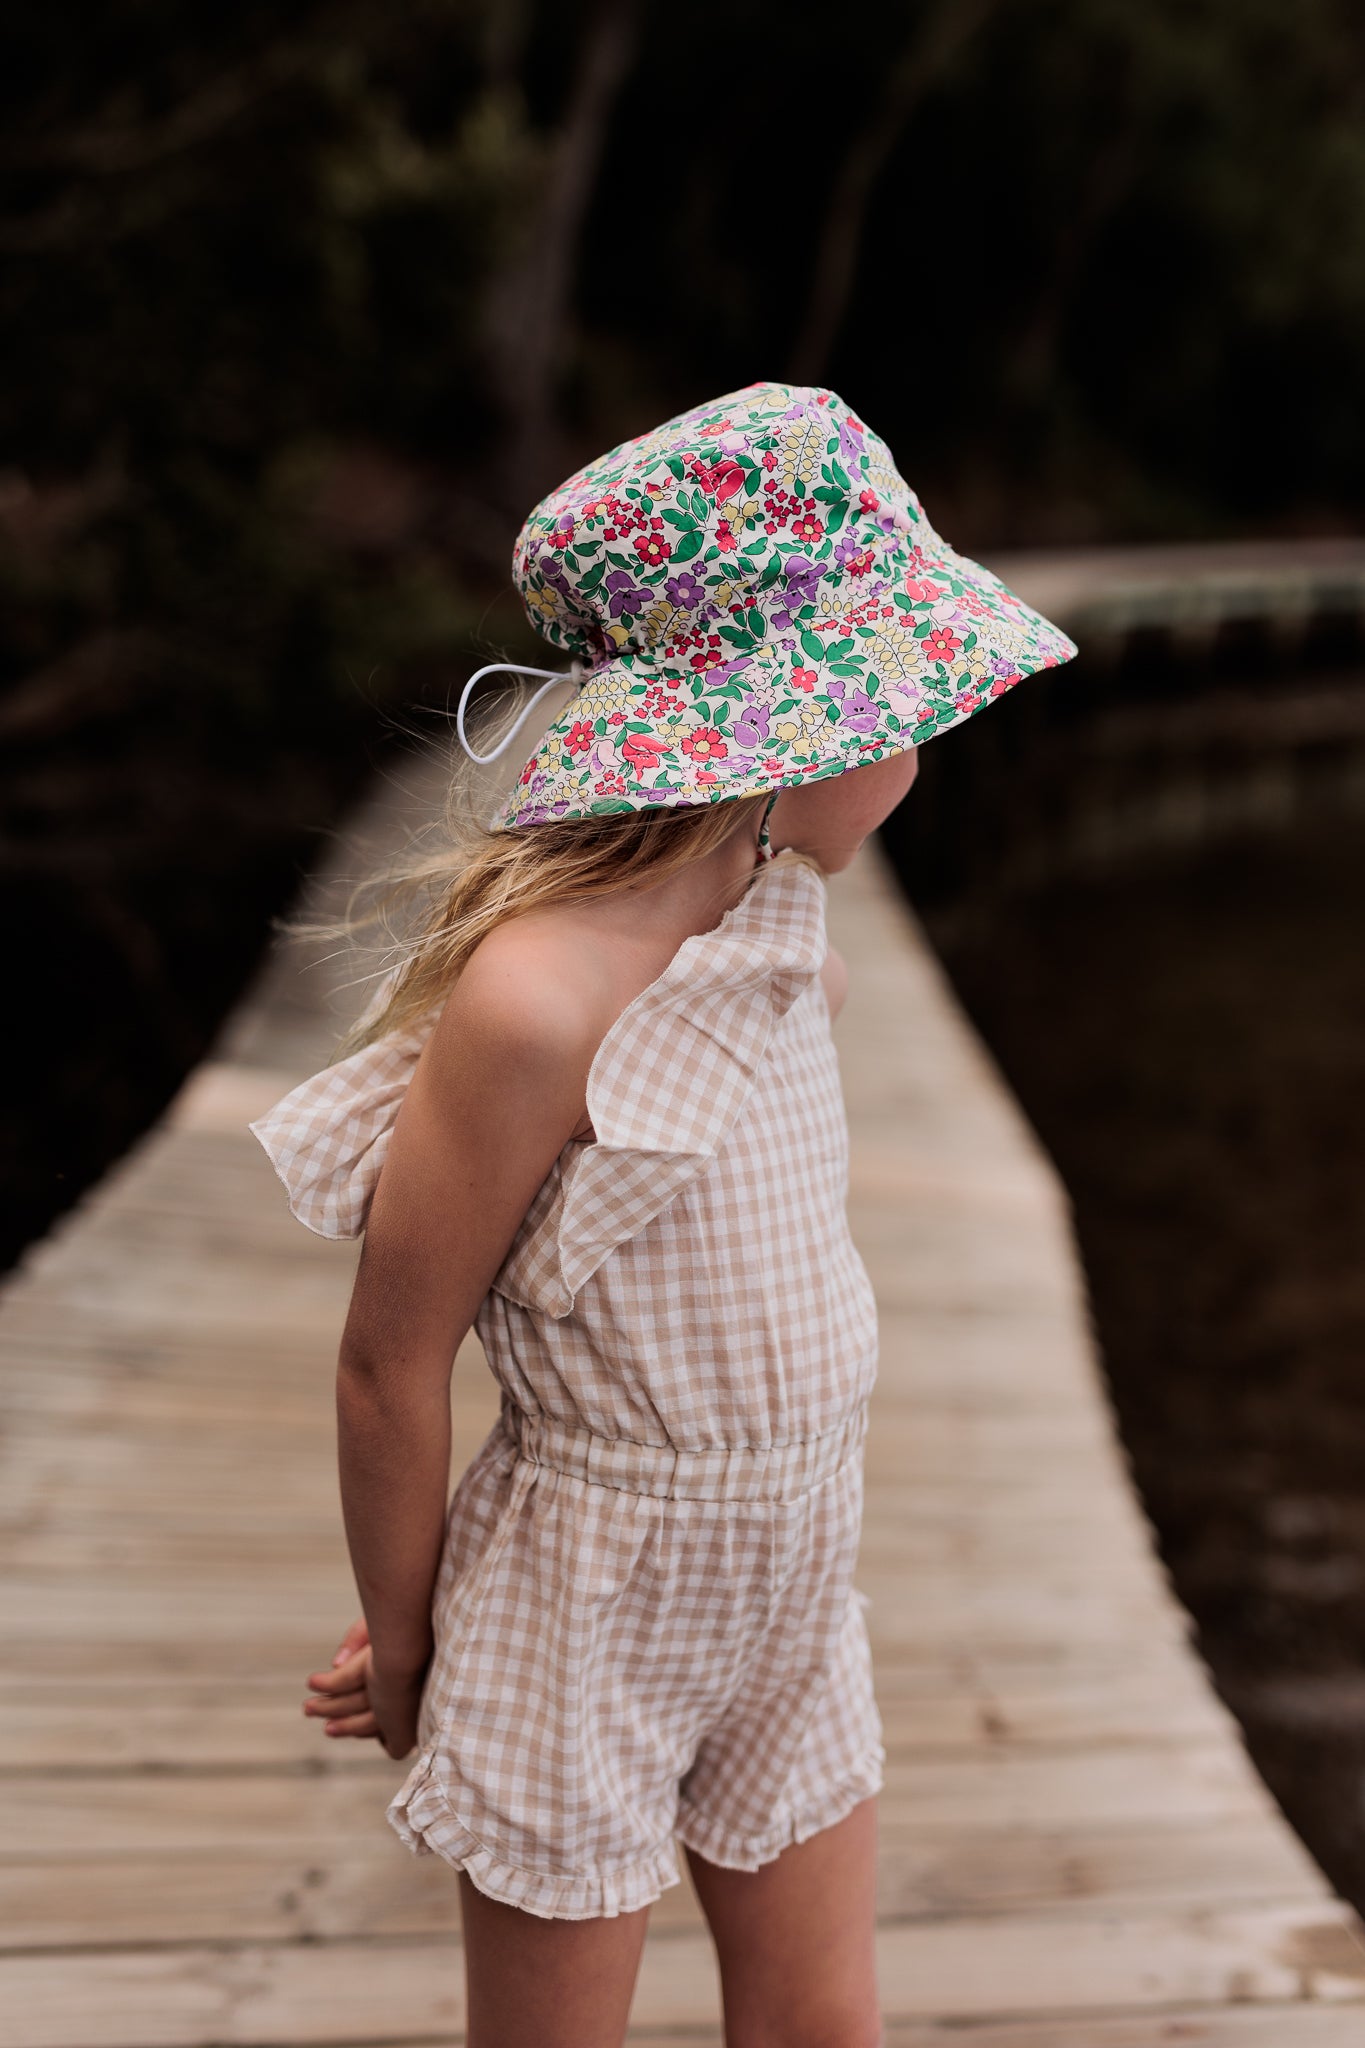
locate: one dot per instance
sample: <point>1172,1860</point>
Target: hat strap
<point>765,849</point>
<point>511,668</point>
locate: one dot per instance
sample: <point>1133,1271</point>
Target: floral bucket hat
<point>752,597</point>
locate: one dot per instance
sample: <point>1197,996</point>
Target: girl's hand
<point>355,1698</point>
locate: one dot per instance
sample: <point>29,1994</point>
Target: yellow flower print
<point>657,623</point>
<point>802,724</point>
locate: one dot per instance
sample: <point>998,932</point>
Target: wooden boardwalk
<point>1076,1852</point>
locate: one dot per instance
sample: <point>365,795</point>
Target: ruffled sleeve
<point>668,1083</point>
<point>328,1138</point>
<point>665,1087</point>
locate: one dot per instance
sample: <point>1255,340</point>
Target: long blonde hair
<point>436,906</point>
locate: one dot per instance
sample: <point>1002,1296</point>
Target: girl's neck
<point>694,898</point>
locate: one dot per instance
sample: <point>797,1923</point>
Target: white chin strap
<point>551,676</point>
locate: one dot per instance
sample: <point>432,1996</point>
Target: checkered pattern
<point>646,1622</point>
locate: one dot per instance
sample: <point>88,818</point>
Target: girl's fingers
<point>357,1637</point>
<point>344,1703</point>
<point>353,1724</point>
<point>344,1677</point>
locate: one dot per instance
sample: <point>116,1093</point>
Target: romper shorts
<point>640,1644</point>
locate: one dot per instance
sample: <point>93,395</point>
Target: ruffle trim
<point>423,1817</point>
<point>668,1082</point>
<point>721,1845</point>
<point>329,1137</point>
<point>705,1022</point>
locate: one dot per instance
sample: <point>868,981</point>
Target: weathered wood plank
<point>86,1810</point>
<point>403,1990</point>
<point>358,1893</point>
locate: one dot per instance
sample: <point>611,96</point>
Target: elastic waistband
<point>729,1472</point>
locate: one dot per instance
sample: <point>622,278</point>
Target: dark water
<point>1190,1046</point>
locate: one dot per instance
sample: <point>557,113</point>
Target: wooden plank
<point>1235,2026</point>
<point>101,1813</point>
<point>361,1892</point>
<point>402,1990</point>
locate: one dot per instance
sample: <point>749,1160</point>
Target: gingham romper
<point>645,1618</point>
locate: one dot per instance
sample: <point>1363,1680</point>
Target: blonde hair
<point>437,906</point>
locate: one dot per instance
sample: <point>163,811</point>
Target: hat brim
<point>807,682</point>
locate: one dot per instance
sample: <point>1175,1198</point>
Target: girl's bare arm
<point>495,1096</point>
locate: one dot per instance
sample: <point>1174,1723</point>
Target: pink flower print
<point>610,785</point>
<point>729,478</point>
<point>807,528</point>
<point>562,537</point>
<point>804,678</point>
<point>652,548</point>
<point>967,700</point>
<point>770,461</point>
<point>580,737</point>
<point>925,711</point>
<point>707,657</point>
<point>942,644</point>
<point>869,501</point>
<point>725,539</point>
<point>920,591</point>
<point>643,750</point>
<point>1003,683</point>
<point>705,744</point>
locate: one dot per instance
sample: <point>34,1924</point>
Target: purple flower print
<point>684,590</point>
<point>850,444</point>
<point>625,595</point>
<point>751,723</point>
<point>727,671</point>
<point>802,579</point>
<point>858,712</point>
<point>856,709</point>
<point>845,548</point>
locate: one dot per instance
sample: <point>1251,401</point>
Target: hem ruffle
<point>423,1818</point>
<point>720,1845</point>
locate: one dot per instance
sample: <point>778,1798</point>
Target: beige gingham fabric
<point>646,1623</point>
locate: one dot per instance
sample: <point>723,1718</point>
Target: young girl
<point>595,1114</point>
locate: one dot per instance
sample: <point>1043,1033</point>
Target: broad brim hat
<point>756,599</point>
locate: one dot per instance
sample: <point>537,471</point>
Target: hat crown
<point>675,536</point>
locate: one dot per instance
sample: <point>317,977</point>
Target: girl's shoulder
<point>662,1048</point>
